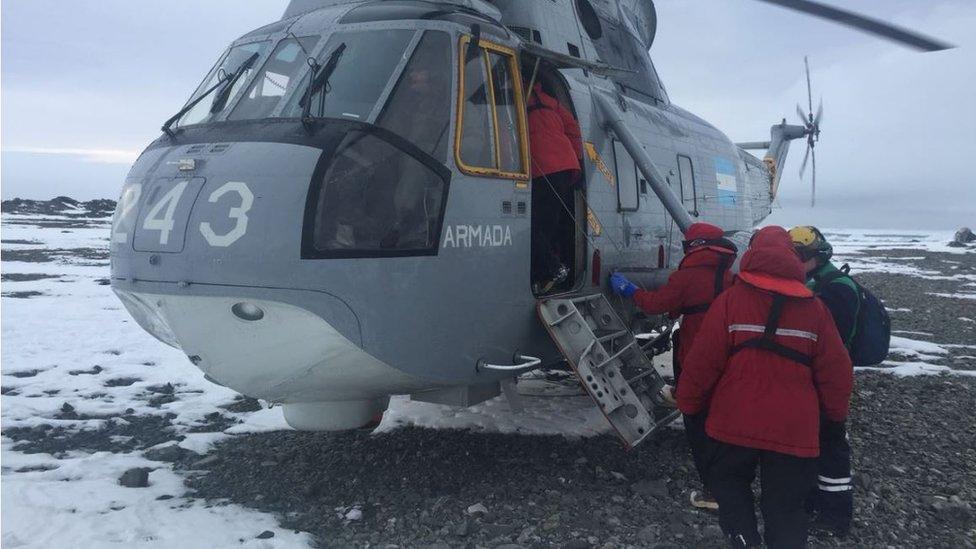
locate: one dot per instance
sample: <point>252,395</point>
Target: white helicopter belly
<point>276,352</point>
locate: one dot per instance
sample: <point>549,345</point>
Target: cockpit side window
<point>375,200</point>
<point>228,66</point>
<point>278,77</point>
<point>491,131</point>
<point>419,106</point>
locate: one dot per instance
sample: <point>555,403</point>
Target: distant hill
<point>61,205</point>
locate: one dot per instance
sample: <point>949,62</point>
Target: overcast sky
<point>87,83</point>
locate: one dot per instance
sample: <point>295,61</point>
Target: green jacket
<point>841,298</point>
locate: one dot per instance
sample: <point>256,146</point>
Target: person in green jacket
<point>833,502</point>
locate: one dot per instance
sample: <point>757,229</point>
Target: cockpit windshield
<point>277,78</point>
<point>360,77</point>
<point>229,64</point>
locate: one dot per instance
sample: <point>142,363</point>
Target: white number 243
<point>160,215</point>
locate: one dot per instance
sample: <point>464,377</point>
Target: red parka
<point>692,285</point>
<point>757,398</point>
<point>554,135</point>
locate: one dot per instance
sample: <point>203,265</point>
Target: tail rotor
<point>811,122</point>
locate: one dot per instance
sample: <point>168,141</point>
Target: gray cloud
<point>898,133</point>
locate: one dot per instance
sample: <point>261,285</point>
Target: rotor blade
<point>813,186</point>
<point>866,24</point>
<point>819,115</point>
<point>803,117</point>
<point>806,63</point>
<point>803,165</point>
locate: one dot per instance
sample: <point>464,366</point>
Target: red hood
<point>705,231</point>
<point>706,256</point>
<point>771,264</point>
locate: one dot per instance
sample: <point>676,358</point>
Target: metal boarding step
<point>610,363</point>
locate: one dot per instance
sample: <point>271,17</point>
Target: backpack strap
<point>723,266</point>
<point>822,281</point>
<point>766,342</point>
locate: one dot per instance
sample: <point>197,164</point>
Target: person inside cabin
<point>701,276</point>
<point>556,148</point>
<point>767,365</point>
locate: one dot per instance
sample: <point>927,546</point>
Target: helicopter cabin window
<point>276,79</point>
<point>686,173</point>
<point>490,138</point>
<point>375,199</point>
<point>628,199</point>
<point>419,107</point>
<point>361,65</point>
<point>234,68</point>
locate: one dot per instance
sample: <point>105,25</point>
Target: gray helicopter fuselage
<point>212,253</point>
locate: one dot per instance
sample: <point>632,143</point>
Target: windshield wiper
<point>220,81</point>
<point>220,101</point>
<point>319,80</point>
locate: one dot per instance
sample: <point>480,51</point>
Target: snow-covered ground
<point>72,358</point>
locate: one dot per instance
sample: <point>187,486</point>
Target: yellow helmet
<point>810,242</point>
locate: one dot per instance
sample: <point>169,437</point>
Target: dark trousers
<point>786,481</point>
<point>834,497</point>
<point>553,230</point>
<point>698,441</point>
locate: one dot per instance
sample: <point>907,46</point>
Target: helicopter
<point>342,211</point>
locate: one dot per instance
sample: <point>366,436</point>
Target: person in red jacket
<point>701,276</point>
<point>556,148</point>
<point>767,362</point>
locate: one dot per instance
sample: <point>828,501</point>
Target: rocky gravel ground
<point>914,443</point>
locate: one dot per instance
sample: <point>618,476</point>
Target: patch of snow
<point>907,369</point>
<point>569,416</point>
<point>954,296</point>
<point>261,421</point>
<point>915,348</point>
<point>79,503</point>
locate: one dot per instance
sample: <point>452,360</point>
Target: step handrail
<point>528,362</point>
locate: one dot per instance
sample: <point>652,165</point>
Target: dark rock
<point>577,544</point>
<point>137,477</point>
<point>242,405</point>
<point>121,382</point>
<point>964,236</point>
<point>167,453</point>
<point>651,488</point>
<point>96,369</point>
<point>647,535</point>
<point>209,460</point>
<point>267,534</point>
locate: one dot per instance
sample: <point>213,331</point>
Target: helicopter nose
<point>274,351</point>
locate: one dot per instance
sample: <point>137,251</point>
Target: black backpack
<point>872,334</point>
